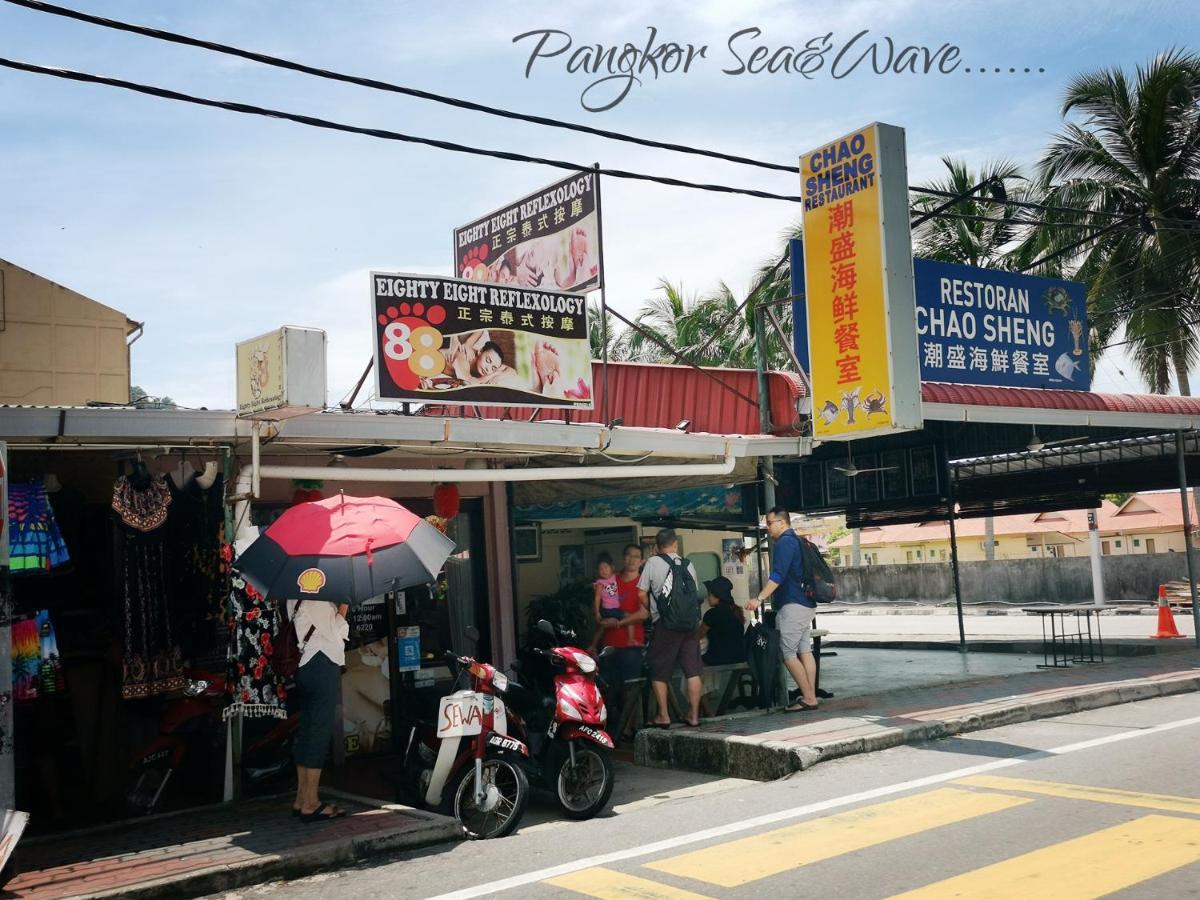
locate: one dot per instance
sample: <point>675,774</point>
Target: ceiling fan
<point>850,470</point>
<point>1036,443</point>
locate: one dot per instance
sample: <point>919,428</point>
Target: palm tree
<point>612,331</point>
<point>954,237</point>
<point>1134,154</point>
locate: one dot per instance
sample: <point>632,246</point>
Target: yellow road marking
<point>749,859</point>
<point>1083,792</point>
<point>1090,866</point>
<point>610,885</point>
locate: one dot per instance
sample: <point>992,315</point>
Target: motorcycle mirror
<point>516,665</point>
<point>472,632</point>
<point>546,628</point>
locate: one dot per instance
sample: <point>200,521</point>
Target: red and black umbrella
<point>344,550</point>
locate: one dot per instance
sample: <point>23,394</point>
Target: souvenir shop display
<point>34,541</point>
<point>255,689</point>
<point>201,575</point>
<point>153,659</point>
<point>37,667</point>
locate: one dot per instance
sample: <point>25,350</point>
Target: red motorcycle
<point>184,764</point>
<point>565,727</point>
<point>481,780</point>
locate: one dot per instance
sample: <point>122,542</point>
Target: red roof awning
<point>645,395</point>
<point>977,403</point>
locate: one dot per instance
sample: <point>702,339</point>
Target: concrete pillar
<point>1097,570</point>
<point>989,538</point>
<point>855,547</point>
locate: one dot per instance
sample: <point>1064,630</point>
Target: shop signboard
<point>454,340</point>
<point>985,326</point>
<point>549,240</point>
<point>281,374</point>
<point>858,282</point>
<point>408,648</point>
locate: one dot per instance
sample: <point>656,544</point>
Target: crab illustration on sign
<point>875,404</point>
<point>1057,300</point>
<point>310,581</point>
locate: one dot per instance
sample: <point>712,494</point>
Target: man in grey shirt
<point>668,648</point>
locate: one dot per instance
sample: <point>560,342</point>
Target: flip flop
<point>688,724</point>
<point>317,815</point>
<point>801,707</point>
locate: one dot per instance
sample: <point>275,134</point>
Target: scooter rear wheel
<point>583,790</point>
<point>506,792</point>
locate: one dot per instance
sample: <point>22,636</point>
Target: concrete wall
<point>58,346</point>
<point>1135,577</point>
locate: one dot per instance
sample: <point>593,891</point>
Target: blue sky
<point>214,227</point>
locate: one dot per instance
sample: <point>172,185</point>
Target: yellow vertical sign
<point>859,286</point>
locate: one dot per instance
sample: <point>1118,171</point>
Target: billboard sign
<point>859,286</point>
<point>453,340</point>
<point>984,326</point>
<point>550,239</point>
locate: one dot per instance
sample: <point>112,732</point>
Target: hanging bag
<point>288,650</point>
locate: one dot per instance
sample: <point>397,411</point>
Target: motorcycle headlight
<point>586,664</point>
<point>500,681</point>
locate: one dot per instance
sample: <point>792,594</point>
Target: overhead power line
<point>460,103</point>
<point>375,84</point>
<point>381,133</point>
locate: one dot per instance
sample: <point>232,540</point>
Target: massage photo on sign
<point>559,261</point>
<point>515,360</point>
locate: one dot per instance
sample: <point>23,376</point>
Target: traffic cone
<point>1166,619</point>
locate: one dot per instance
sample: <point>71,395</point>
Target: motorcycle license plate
<point>461,714</point>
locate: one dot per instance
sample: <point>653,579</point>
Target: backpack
<point>819,584</point>
<point>679,610</point>
<point>286,651</point>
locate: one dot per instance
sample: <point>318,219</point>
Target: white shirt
<point>657,580</point>
<point>330,630</point>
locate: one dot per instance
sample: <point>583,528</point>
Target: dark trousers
<point>317,684</point>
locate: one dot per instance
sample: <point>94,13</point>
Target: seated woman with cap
<point>724,625</point>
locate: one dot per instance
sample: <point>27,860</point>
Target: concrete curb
<point>305,861</point>
<point>745,756</point>
<point>1115,647</point>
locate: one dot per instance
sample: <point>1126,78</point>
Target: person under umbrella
<point>321,557</point>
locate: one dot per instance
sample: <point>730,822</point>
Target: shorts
<point>794,622</point>
<point>670,648</point>
<point>614,614</point>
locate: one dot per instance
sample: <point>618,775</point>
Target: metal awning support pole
<point>766,463</point>
<point>950,503</point>
<point>1096,555</point>
<point>605,407</point>
<point>1187,531</point>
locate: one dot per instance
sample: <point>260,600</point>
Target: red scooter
<point>181,766</point>
<point>481,781</point>
<point>566,729</point>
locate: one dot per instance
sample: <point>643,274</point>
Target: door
<point>1149,545</point>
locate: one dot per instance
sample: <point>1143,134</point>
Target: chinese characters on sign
<point>858,285</point>
<point>981,326</point>
<point>548,240</point>
<point>454,340</point>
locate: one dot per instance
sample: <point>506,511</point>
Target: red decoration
<point>302,495</point>
<point>446,500</point>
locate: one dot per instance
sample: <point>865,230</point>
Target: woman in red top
<point>628,635</point>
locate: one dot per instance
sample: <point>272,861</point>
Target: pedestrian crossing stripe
<point>608,884</point>
<point>1094,865</point>
<point>761,856</point>
<point>1163,802</point>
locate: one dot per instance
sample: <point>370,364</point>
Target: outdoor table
<point>1064,646</point>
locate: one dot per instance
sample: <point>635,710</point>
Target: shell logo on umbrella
<point>311,581</point>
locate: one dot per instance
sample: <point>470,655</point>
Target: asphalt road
<point>1088,805</point>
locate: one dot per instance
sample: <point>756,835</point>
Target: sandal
<point>801,707</point>
<point>320,815</point>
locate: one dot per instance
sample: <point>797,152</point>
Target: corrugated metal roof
<point>1081,401</point>
<point>647,395</point>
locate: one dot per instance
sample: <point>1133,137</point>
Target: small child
<point>605,602</point>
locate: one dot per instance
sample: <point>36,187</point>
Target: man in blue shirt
<point>794,609</point>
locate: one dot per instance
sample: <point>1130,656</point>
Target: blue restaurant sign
<point>983,326</point>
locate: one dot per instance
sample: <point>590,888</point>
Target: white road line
<point>708,834</point>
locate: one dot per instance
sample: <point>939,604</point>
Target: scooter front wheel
<point>505,793</point>
<point>583,789</point>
